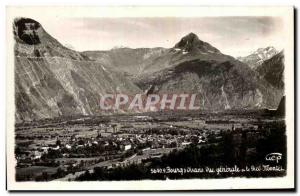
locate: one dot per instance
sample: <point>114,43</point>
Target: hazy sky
<point>236,36</point>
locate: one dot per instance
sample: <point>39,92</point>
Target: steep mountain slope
<point>258,57</point>
<point>272,70</point>
<point>219,85</point>
<point>221,81</point>
<point>33,41</point>
<point>52,80</point>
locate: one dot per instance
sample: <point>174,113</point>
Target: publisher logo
<point>275,156</point>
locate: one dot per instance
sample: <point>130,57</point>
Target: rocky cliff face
<point>272,70</point>
<point>52,80</point>
<point>220,85</point>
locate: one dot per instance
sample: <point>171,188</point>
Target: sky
<point>235,36</point>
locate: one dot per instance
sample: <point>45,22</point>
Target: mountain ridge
<point>52,80</point>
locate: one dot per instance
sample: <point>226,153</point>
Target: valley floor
<point>152,146</point>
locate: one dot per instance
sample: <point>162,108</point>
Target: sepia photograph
<point>150,98</point>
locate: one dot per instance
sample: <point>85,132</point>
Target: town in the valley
<point>65,149</point>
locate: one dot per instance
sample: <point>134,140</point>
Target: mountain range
<point>52,80</point>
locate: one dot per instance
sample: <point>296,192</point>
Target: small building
<point>55,148</point>
<point>36,155</point>
<point>185,143</point>
<point>127,147</point>
<point>68,146</point>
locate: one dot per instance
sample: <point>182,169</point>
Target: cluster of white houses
<point>110,137</point>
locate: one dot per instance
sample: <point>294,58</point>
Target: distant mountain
<point>131,61</point>
<point>148,60</point>
<point>52,80</point>
<point>222,81</point>
<point>258,57</point>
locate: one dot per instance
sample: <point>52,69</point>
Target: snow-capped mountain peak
<point>257,57</point>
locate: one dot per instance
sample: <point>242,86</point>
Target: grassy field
<point>34,171</point>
